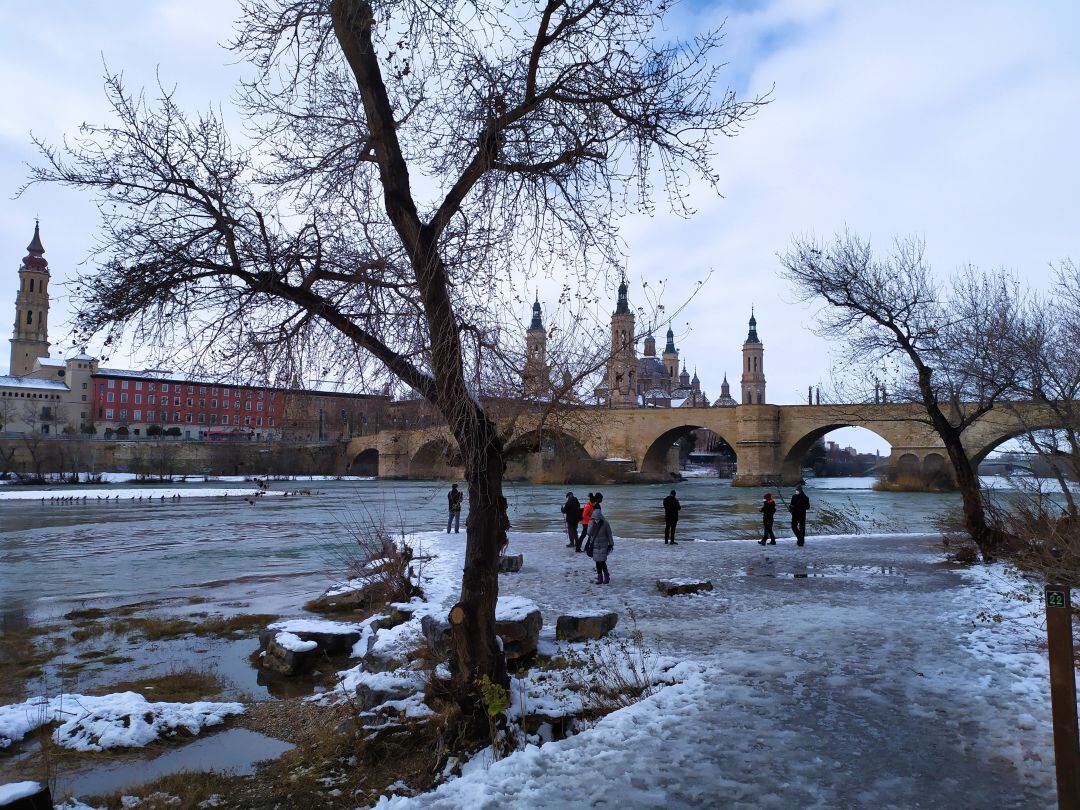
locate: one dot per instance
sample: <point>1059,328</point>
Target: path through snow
<point>868,683</point>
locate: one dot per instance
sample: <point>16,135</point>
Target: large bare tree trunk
<point>476,649</point>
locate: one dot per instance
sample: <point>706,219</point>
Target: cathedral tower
<point>622,382</point>
<point>536,374</point>
<point>671,358</point>
<point>31,337</point>
<point>753,375</point>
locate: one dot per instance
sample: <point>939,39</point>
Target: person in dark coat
<point>454,498</point>
<point>798,506</point>
<point>504,524</point>
<point>768,511</point>
<point>572,513</point>
<point>601,543</point>
<point>671,517</point>
<point>586,514</point>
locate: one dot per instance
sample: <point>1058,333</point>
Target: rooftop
<point>7,381</point>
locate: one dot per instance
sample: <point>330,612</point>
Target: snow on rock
<point>511,608</point>
<point>294,643</point>
<point>18,790</point>
<point>320,626</point>
<point>121,720</point>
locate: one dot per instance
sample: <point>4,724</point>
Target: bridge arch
<point>655,461</point>
<point>985,445</point>
<point>366,463</point>
<point>792,464</point>
<point>548,454</point>
<point>437,459</point>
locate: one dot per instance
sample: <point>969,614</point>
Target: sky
<point>956,122</point>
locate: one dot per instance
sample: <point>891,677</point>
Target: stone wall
<point>31,455</point>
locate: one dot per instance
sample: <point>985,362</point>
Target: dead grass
<point>96,623</point>
<point>915,482</point>
<point>179,686</point>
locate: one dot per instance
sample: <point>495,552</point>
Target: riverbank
<point>853,672</point>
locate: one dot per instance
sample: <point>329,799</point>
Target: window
<point>190,401</point>
<point>224,392</point>
<point>138,399</point>
<point>262,395</point>
<point>108,413</point>
<point>31,285</point>
<point>187,418</point>
<point>84,397</point>
<point>202,403</point>
<point>111,396</point>
<point>165,387</point>
<point>176,401</point>
<point>213,403</point>
<point>29,316</point>
<point>258,421</point>
<point>123,397</point>
<point>260,407</point>
<point>151,399</point>
<point>214,391</point>
<point>176,416</point>
<point>123,414</point>
<point>247,405</point>
<point>247,421</point>
<point>191,389</point>
<point>225,419</point>
<point>123,383</point>
<point>137,416</point>
<point>202,389</point>
<point>236,405</point>
<point>138,386</point>
<point>213,419</point>
<point>151,386</point>
<point>151,416</point>
<point>202,418</point>
<point>84,386</point>
<point>112,383</point>
<point>101,388</point>
<point>270,421</point>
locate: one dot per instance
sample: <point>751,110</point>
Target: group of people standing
<point>798,506</point>
<point>587,524</point>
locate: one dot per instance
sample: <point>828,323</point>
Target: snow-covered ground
<point>97,723</point>
<point>853,672</point>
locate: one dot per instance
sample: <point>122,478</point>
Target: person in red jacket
<point>586,516</point>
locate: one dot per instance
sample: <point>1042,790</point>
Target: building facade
<point>47,395</point>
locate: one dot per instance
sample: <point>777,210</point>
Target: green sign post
<point>1063,695</point>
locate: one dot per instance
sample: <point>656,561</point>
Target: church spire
<point>670,348</point>
<point>35,252</point>
<point>622,307</point>
<point>537,320</point>
<point>752,336</point>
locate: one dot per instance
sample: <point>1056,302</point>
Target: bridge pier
<point>758,446</point>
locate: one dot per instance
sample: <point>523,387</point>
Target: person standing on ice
<point>572,513</point>
<point>586,515</point>
<point>601,542</point>
<point>671,517</point>
<point>454,498</point>
<point>768,512</point>
<point>798,507</point>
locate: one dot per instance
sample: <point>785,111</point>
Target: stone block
<point>518,623</point>
<point>583,626</point>
<point>510,563</point>
<point>285,660</point>
<point>673,587</point>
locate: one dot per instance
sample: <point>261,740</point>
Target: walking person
<point>454,498</point>
<point>768,512</point>
<point>601,542</point>
<point>799,505</point>
<point>572,513</point>
<point>671,517</point>
<point>586,516</point>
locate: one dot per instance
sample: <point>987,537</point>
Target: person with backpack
<point>454,498</point>
<point>586,516</point>
<point>768,512</point>
<point>572,513</point>
<point>798,507</point>
<point>601,542</point>
<point>671,517</point>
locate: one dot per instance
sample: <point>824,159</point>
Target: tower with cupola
<point>753,373</point>
<point>622,367</point>
<point>671,358</point>
<point>30,340</point>
<point>536,376</point>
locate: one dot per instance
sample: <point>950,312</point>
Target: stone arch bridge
<point>770,441</point>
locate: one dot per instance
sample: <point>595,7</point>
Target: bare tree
<point>411,162</point>
<point>948,345</point>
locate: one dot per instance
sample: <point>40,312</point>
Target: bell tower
<point>536,374</point>
<point>622,367</point>
<point>31,336</point>
<point>671,359</point>
<point>753,374</point>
